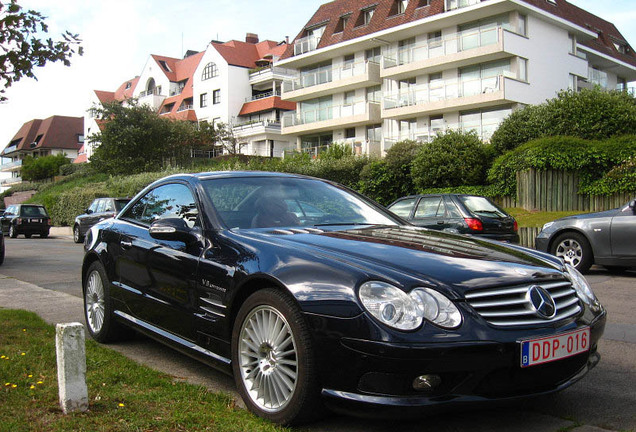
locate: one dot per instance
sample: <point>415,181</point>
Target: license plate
<point>548,349</point>
<point>35,220</point>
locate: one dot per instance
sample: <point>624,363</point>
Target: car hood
<point>433,257</point>
<point>597,215</point>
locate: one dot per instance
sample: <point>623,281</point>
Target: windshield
<point>482,206</point>
<point>266,202</point>
<point>31,211</point>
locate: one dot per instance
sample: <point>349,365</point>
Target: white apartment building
<point>232,82</point>
<point>374,72</point>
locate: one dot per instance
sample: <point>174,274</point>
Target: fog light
<point>426,382</point>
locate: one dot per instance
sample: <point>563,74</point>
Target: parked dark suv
<point>27,219</point>
<point>100,209</point>
<point>458,213</point>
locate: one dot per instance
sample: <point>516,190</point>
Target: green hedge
<point>593,160</point>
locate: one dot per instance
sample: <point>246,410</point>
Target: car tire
<point>278,382</point>
<point>98,309</point>
<point>77,237</point>
<point>27,235</point>
<point>616,269</point>
<point>12,232</point>
<point>574,249</point>
<point>44,235</point>
<point>2,251</point>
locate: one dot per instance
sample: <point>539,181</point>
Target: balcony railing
<point>8,166</point>
<point>185,107</point>
<point>444,90</point>
<point>452,44</point>
<point>275,70</point>
<point>293,118</point>
<point>153,92</point>
<point>257,124</point>
<point>458,4</point>
<point>263,96</point>
<point>306,44</point>
<point>10,181</point>
<point>326,75</point>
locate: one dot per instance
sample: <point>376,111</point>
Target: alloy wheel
<point>571,252</point>
<point>95,302</point>
<point>268,358</point>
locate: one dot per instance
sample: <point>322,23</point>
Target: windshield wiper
<point>343,223</point>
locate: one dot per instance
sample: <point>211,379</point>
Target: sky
<point>119,35</point>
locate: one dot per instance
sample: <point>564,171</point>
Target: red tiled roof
<point>266,104</point>
<point>81,156</point>
<point>126,89</point>
<point>105,96</point>
<point>56,132</point>
<point>181,70</point>
<point>245,54</point>
<point>331,12</point>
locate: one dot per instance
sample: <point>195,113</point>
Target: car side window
<point>167,201</point>
<point>108,205</point>
<point>451,209</point>
<point>100,206</point>
<point>93,206</point>
<point>403,208</point>
<point>430,207</point>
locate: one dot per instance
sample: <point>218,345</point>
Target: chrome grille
<point>509,306</point>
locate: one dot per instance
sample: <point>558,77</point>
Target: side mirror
<point>172,229</point>
<point>632,205</point>
<point>88,211</point>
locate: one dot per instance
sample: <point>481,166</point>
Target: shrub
<point>451,159</point>
<point>590,114</point>
<point>72,168</point>
<point>74,202</point>
<point>42,168</point>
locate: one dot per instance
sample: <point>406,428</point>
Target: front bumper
<point>377,377</point>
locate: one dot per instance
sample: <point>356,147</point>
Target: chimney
<point>287,40</point>
<point>251,38</point>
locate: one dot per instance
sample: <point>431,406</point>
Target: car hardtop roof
<point>229,174</point>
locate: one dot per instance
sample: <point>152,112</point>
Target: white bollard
<point>71,367</point>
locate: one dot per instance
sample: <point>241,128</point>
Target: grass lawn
<point>123,395</point>
<point>526,218</point>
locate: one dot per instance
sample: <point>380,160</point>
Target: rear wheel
<point>574,249</point>
<point>12,232</point>
<point>27,235</point>
<point>1,249</point>
<point>98,309</point>
<point>273,359</point>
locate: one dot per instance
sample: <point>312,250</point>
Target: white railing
<point>306,44</point>
<point>257,124</point>
<point>271,70</point>
<point>458,4</point>
<point>185,108</point>
<point>12,180</point>
<point>452,44</point>
<point>326,75</point>
<point>10,165</point>
<point>293,118</point>
<point>263,96</point>
<point>433,92</point>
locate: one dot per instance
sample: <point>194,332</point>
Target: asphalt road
<point>604,400</point>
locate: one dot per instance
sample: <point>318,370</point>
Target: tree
<point>42,168</point>
<point>220,135</point>
<point>136,139</point>
<point>21,50</point>
<point>453,158</point>
<point>590,114</point>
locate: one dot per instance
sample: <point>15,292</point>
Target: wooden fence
<point>558,191</point>
<point>527,235</point>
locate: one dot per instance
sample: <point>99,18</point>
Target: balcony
<point>257,128</point>
<point>457,50</point>
<point>11,166</point>
<point>332,80</point>
<point>151,99</point>
<point>185,107</point>
<point>329,118</point>
<point>452,95</point>
<point>11,181</point>
<point>269,74</point>
<point>263,96</point>
<point>458,4</point>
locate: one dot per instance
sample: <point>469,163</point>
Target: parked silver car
<point>606,238</point>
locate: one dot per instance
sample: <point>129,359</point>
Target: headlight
<point>395,308</point>
<point>547,225</point>
<point>582,288</point>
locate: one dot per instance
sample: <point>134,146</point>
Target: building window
<point>621,83</point>
<point>522,25</point>
<point>209,71</point>
<point>398,7</point>
<point>523,69</point>
<point>342,23</point>
<point>349,97</point>
<point>374,94</point>
<point>348,61</point>
<point>422,3</point>
<point>572,44</point>
<point>216,97</point>
<point>573,83</point>
<point>350,133</point>
<point>365,17</point>
<point>373,55</point>
<point>203,100</point>
<point>80,138</point>
<point>484,122</point>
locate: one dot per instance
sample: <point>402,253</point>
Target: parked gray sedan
<point>606,238</point>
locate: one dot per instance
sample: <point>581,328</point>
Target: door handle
<point>440,222</point>
<point>125,244</point>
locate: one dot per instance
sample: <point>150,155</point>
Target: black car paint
<point>85,221</point>
<point>188,294</point>
<point>27,225</point>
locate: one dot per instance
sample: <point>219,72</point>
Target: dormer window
<point>342,23</point>
<point>621,48</point>
<point>398,7</point>
<point>365,17</point>
<point>128,85</point>
<point>165,66</point>
<point>422,3</point>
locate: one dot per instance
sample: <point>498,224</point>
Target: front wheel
<point>98,309</point>
<point>12,232</point>
<point>77,237</point>
<point>574,249</point>
<point>273,359</point>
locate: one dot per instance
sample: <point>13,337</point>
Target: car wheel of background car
<point>574,249</point>
<point>98,310</point>
<point>12,232</point>
<point>77,238</point>
<point>273,359</point>
<point>1,252</point>
<point>44,235</point>
<point>616,269</point>
<point>27,236</point>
